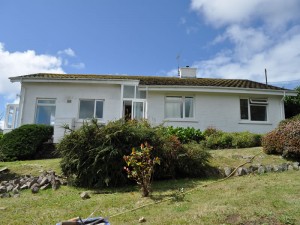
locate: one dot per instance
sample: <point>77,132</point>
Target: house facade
<point>228,104</point>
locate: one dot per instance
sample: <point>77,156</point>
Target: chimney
<point>187,72</point>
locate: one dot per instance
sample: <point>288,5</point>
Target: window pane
<point>174,107</point>
<point>140,94</point>
<point>46,101</point>
<point>189,107</point>
<point>99,109</point>
<point>45,115</point>
<point>244,109</point>
<point>128,91</point>
<point>138,110</point>
<point>86,109</point>
<point>258,113</point>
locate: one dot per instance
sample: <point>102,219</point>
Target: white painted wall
<point>221,111</point>
<point>65,112</point>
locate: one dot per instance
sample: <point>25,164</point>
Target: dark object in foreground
<point>88,221</point>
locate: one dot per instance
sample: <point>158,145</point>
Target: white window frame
<point>184,117</point>
<point>44,104</point>
<point>94,113</point>
<point>263,102</point>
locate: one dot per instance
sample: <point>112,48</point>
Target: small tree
<point>140,167</point>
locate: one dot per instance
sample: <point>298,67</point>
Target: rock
<point>261,170</point>
<point>227,171</point>
<point>16,195</point>
<point>241,171</point>
<point>2,189</point>
<point>269,168</point>
<point>44,181</point>
<point>9,188</point>
<point>23,187</point>
<point>15,190</point>
<point>34,189</point>
<point>142,220</point>
<point>84,195</point>
<point>5,195</point>
<point>278,168</point>
<point>46,186</point>
<point>284,166</point>
<point>296,165</point>
<point>290,167</point>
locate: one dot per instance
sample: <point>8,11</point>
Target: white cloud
<point>22,63</point>
<point>282,61</point>
<point>69,52</point>
<point>258,34</point>
<point>273,12</point>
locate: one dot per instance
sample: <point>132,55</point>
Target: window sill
<point>180,120</point>
<point>255,122</point>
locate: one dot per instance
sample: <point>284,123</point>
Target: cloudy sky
<point>222,38</point>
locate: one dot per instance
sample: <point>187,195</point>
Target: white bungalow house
<point>226,104</point>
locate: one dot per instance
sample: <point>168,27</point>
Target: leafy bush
<point>219,140</point>
<point>285,139</point>
<point>246,140</point>
<point>216,139</point>
<point>93,154</point>
<point>23,142</point>
<point>193,161</point>
<point>140,167</point>
<point>185,135</point>
<point>1,135</point>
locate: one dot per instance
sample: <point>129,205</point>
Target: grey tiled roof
<point>155,80</point>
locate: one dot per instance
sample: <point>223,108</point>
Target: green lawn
<point>272,198</point>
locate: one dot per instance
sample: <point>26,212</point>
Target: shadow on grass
<point>5,176</point>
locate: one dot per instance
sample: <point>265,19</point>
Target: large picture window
<point>254,109</point>
<point>91,108</point>
<point>45,111</point>
<point>179,107</point>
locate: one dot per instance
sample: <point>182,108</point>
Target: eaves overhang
<point>208,89</point>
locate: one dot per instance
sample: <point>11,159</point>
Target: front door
<point>133,109</point>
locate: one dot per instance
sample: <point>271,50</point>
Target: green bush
<point>185,135</point>
<point>219,140</point>
<point>93,154</point>
<point>216,139</point>
<point>23,142</point>
<point>246,140</point>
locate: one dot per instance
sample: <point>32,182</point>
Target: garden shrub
<point>217,139</point>
<point>285,139</point>
<point>185,135</point>
<point>23,142</point>
<point>193,161</point>
<point>246,140</point>
<point>93,154</point>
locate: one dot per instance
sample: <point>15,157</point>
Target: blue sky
<point>222,38</point>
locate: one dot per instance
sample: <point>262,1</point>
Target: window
<point>253,109</point>
<point>179,107</point>
<point>91,108</point>
<point>133,92</point>
<point>45,111</point>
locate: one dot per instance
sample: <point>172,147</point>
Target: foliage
<point>292,104</point>
<point>93,154</point>
<point>24,142</point>
<point>185,135</point>
<point>217,139</point>
<point>246,140</point>
<point>285,139</point>
<point>1,135</point>
<point>140,167</point>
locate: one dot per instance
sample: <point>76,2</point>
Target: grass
<point>272,198</point>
